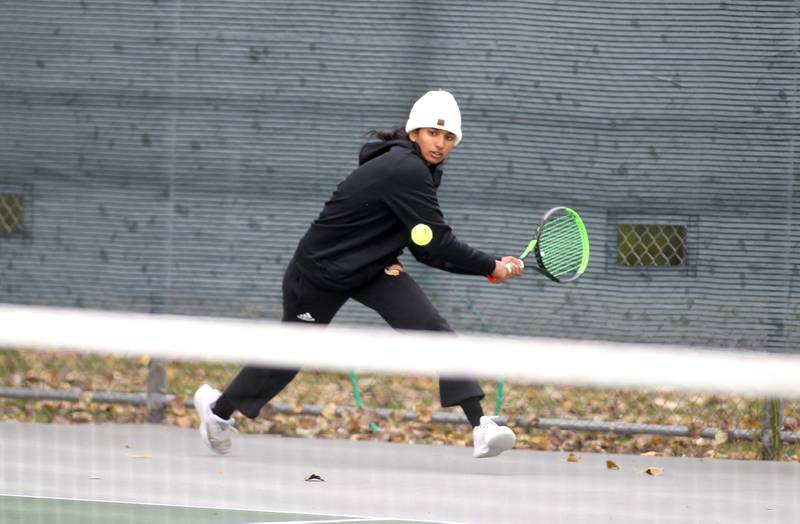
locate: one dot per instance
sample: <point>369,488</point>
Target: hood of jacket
<point>372,150</point>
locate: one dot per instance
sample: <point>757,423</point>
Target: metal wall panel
<point>175,151</point>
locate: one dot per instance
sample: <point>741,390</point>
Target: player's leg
<point>303,303</point>
<point>400,301</point>
<point>254,386</point>
<point>403,305</point>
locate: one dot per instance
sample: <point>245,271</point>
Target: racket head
<point>561,245</point>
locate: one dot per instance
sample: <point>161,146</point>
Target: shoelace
<point>223,426</point>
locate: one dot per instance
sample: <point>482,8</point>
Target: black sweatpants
<point>397,299</point>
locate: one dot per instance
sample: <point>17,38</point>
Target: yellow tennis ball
<point>421,234</point>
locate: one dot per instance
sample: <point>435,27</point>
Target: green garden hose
<point>360,403</point>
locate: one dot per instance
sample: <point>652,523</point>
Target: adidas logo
<point>306,317</point>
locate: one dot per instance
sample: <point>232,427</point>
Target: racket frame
<point>533,245</point>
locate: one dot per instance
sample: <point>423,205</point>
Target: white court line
<point>218,508</point>
<point>316,521</point>
<point>366,519</point>
<point>186,506</point>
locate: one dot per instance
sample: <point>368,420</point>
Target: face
<point>434,144</point>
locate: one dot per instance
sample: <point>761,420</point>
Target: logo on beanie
<point>440,122</point>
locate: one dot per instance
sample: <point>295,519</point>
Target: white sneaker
<point>216,432</point>
<point>490,439</point>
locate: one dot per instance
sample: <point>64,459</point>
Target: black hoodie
<point>365,225</point>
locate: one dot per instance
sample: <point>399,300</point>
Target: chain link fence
<point>646,245</point>
<point>186,243</point>
<point>11,213</point>
<point>551,417</point>
<point>677,422</point>
<point>746,427</point>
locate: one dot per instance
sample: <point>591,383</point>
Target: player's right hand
<point>506,268</point>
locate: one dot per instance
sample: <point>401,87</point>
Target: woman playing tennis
<point>351,251</point>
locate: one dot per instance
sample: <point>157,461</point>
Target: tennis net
<point>98,422</point>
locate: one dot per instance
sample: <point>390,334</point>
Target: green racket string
<point>561,246</point>
<point>562,263</point>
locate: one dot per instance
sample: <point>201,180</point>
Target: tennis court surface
<point>149,473</point>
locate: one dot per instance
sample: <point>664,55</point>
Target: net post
<point>771,433</point>
<point>156,390</point>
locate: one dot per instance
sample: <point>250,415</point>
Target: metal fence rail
<point>771,435</point>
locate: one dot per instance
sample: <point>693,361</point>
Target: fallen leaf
<point>85,397</point>
<point>329,411</point>
<point>572,457</point>
<point>540,441</point>
<point>32,379</point>
<point>650,454</point>
<point>424,414</point>
<point>314,478</point>
<point>307,432</point>
<point>81,417</point>
<point>184,422</point>
<point>720,437</point>
<point>178,404</point>
<point>653,471</point>
<point>610,464</point>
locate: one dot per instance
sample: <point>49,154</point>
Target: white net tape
<point>529,360</point>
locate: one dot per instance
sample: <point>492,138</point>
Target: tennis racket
<point>560,245</point>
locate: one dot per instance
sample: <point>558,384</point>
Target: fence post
<point>771,432</point>
<point>156,389</point>
<point>773,407</point>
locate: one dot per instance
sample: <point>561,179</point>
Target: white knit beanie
<point>436,109</point>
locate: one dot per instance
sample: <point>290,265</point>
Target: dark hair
<point>395,133</point>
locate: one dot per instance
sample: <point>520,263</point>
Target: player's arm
<point>415,203</point>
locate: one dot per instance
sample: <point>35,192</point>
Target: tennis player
<point>351,251</point>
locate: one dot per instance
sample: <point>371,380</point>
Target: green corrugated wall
<point>171,153</point>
